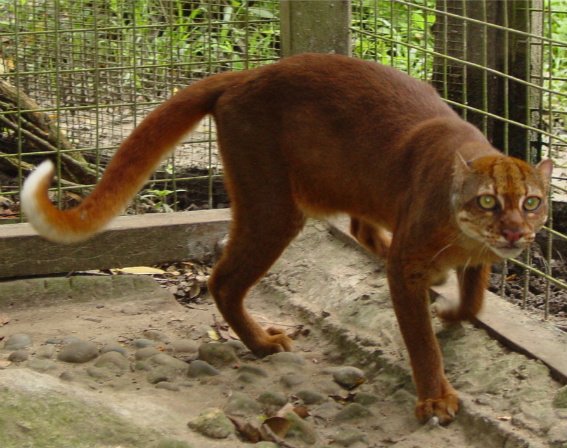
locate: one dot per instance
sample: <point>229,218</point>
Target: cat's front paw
<point>274,341</point>
<point>444,408</point>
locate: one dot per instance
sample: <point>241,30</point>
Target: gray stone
<point>560,399</point>
<point>310,396</point>
<point>184,346</point>
<point>293,379</point>
<point>167,386</point>
<point>301,429</point>
<point>218,355</point>
<point>78,352</point>
<point>99,373</point>
<point>146,352</point>
<point>19,356</point>
<point>240,403</point>
<point>162,359</point>
<point>327,411</point>
<point>253,370</point>
<point>113,360</point>
<point>142,343</point>
<point>272,398</point>
<point>212,423</point>
<point>352,411</point>
<point>287,359</point>
<point>156,335</point>
<point>114,348</point>
<point>348,377</point>
<point>17,341</point>
<point>162,373</point>
<point>67,376</point>
<point>347,437</point>
<point>45,351</point>
<point>41,365</point>
<point>200,368</point>
<point>366,398</point>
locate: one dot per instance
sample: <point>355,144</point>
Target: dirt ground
<point>332,298</point>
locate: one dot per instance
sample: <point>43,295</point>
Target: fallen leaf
<point>213,335</point>
<point>4,320</point>
<point>278,425</point>
<point>246,430</point>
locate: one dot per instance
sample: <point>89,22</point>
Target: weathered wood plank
<point>128,241</point>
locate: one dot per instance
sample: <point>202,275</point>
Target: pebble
<point>141,343</point>
<point>98,373</point>
<point>272,398</point>
<point>301,429</point>
<point>352,411</point>
<point>19,356</point>
<point>240,403</point>
<point>348,377</point>
<point>67,376</point>
<point>146,352</point>
<point>218,355</point>
<point>162,373</point>
<point>289,359</point>
<point>45,351</point>
<point>155,335</point>
<point>212,423</point>
<point>253,370</point>
<point>41,365</point>
<point>310,396</point>
<point>17,341</point>
<point>78,352</point>
<point>327,411</point>
<point>347,437</point>
<point>200,368</point>
<point>162,359</point>
<point>184,346</point>
<point>114,348</point>
<point>293,379</point>
<point>167,386</point>
<point>366,398</point>
<point>113,360</point>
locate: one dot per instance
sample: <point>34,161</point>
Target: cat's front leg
<point>409,291</point>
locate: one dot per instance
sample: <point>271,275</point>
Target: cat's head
<point>501,201</point>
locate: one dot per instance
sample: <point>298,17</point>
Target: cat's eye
<point>487,202</point>
<point>532,203</point>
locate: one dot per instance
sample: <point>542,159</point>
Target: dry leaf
<point>4,320</point>
<point>278,425</point>
<point>246,430</point>
<point>213,335</point>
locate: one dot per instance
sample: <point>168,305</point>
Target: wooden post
<point>315,26</point>
<point>495,48</point>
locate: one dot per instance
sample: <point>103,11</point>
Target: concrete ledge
<point>502,320</point>
<point>128,241</point>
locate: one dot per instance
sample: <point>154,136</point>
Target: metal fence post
<point>315,26</point>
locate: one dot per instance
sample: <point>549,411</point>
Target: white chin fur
<point>507,253</point>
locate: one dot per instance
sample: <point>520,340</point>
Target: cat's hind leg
<point>473,281</point>
<point>374,238</point>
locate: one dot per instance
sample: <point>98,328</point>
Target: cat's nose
<point>512,235</point>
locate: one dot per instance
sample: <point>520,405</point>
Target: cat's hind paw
<point>444,409</point>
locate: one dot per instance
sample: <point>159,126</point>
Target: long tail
<point>135,160</point>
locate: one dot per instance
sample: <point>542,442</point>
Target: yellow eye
<point>487,202</point>
<point>532,203</point>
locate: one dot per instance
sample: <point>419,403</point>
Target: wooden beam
<point>321,26</point>
<point>129,241</point>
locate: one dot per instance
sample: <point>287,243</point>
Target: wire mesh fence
<point>77,76</point>
<point>94,69</point>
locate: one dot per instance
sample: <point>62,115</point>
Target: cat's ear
<point>545,167</point>
<point>461,169</point>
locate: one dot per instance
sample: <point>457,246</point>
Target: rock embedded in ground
<point>183,346</point>
<point>347,437</point>
<point>212,423</point>
<point>162,359</point>
<point>217,354</point>
<point>348,377</point>
<point>41,365</point>
<point>78,352</point>
<point>143,343</point>
<point>146,352</point>
<point>310,396</point>
<point>19,356</point>
<point>17,341</point>
<point>200,368</point>
<point>113,360</point>
<point>114,348</point>
<point>352,411</point>
<point>287,359</point>
<point>240,404</point>
<point>45,351</point>
<point>272,398</point>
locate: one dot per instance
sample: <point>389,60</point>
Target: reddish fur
<point>323,134</point>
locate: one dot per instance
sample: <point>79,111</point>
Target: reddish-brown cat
<point>321,134</point>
